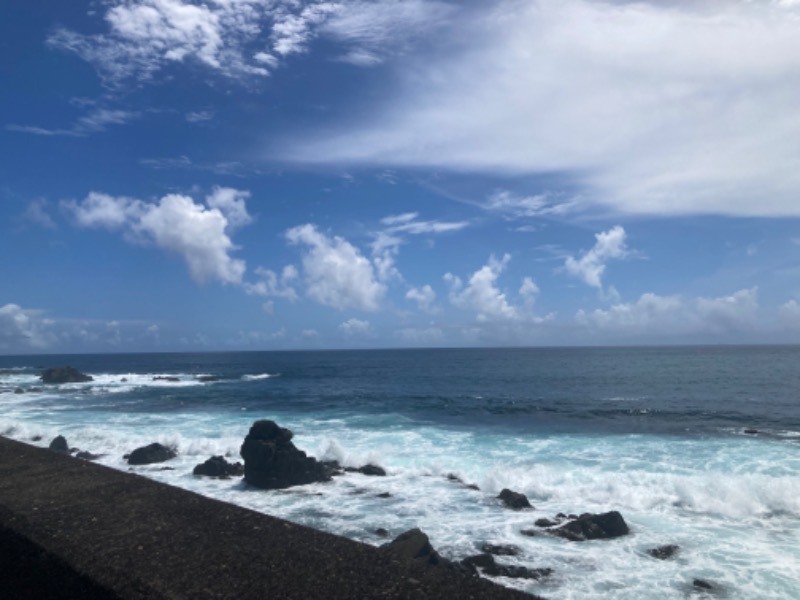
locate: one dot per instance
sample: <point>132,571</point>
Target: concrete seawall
<point>73,529</point>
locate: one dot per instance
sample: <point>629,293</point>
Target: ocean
<point>694,446</point>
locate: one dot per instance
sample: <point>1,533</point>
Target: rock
<point>170,378</point>
<point>487,564</point>
<point>271,460</point>
<point>663,552</point>
<point>383,495</point>
<point>545,523</point>
<point>154,453</point>
<point>217,466</point>
<point>36,438</point>
<point>88,455</point>
<point>500,549</point>
<point>529,532</point>
<point>514,500</point>
<point>455,478</point>
<point>751,431</point>
<point>415,545</point>
<point>701,584</point>
<point>593,527</point>
<point>19,390</point>
<point>124,380</point>
<point>381,532</point>
<point>59,444</point>
<point>373,470</point>
<point>64,375</point>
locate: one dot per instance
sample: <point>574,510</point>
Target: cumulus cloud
<point>480,294</point>
<point>232,203</point>
<point>425,297</point>
<point>196,232</point>
<point>674,315</point>
<point>24,329</point>
<point>355,328</point>
<point>591,266</point>
<point>269,284</point>
<point>335,272</point>
<point>650,107</point>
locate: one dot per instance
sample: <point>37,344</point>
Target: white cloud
<point>425,297</point>
<point>651,107</point>
<point>175,223</point>
<point>515,206</point>
<point>199,116</point>
<point>673,315</point>
<point>244,38</point>
<point>336,274</point>
<point>97,121</point>
<point>378,29</point>
<point>481,294</point>
<point>789,314</point>
<point>355,328</point>
<point>232,204</point>
<point>269,284</point>
<point>24,329</point>
<point>386,243</point>
<point>591,266</point>
<point>529,291</point>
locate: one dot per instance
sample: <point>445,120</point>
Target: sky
<point>208,175</point>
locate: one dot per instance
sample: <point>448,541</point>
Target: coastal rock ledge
<point>271,460</point>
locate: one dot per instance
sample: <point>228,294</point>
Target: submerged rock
<point>545,523</point>
<point>170,378</point>
<point>271,460</point>
<point>154,453</point>
<point>64,375</point>
<point>217,466</point>
<point>488,566</point>
<point>593,527</point>
<point>663,552</point>
<point>370,469</point>
<point>514,500</point>
<point>500,549</point>
<point>702,584</point>
<point>59,444</point>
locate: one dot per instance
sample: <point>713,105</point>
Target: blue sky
<point>287,174</point>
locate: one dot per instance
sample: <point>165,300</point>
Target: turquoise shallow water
<point>656,433</point>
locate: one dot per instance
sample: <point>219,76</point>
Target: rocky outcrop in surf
<point>64,375</point>
<point>593,527</point>
<point>514,500</point>
<point>154,453</point>
<point>271,460</point>
<point>217,466</point>
<point>488,566</point>
<point>59,444</point>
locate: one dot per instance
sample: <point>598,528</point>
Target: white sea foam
<point>258,377</point>
<point>732,505</point>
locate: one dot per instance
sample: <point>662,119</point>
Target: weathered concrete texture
<point>73,529</point>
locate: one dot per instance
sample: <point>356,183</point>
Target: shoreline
<point>113,534</point>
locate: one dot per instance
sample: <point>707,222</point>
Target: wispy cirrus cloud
<point>96,121</point>
<point>657,108</point>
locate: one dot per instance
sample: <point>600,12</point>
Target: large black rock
<point>217,466</point>
<point>59,444</point>
<point>415,545</point>
<point>271,460</point>
<point>64,375</point>
<point>593,527</point>
<point>487,564</point>
<point>514,500</point>
<point>154,453</point>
